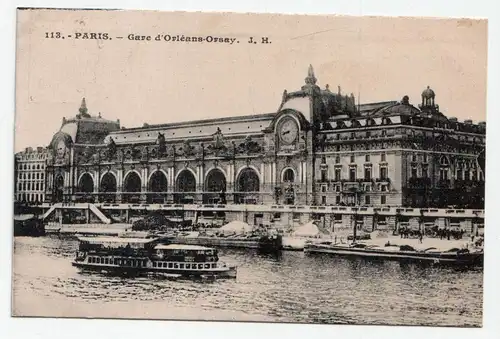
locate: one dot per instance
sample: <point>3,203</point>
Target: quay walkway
<point>97,208</point>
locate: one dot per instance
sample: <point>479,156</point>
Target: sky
<point>377,59</point>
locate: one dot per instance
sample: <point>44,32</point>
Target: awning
<point>117,242</point>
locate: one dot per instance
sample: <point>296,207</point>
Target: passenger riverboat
<point>462,257</point>
<point>147,255</point>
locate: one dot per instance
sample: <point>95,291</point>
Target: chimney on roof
<point>482,123</point>
<point>39,149</point>
<point>468,122</point>
<point>453,119</point>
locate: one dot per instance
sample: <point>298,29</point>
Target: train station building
<point>320,148</point>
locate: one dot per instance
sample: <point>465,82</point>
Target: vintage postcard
<point>249,167</point>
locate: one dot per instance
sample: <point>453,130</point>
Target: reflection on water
<point>290,287</point>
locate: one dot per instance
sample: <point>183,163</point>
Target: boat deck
<point>439,244</point>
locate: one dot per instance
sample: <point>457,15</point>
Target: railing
<point>471,214</point>
<point>252,198</point>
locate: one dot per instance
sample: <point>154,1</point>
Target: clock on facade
<point>288,131</point>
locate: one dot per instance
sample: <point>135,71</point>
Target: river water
<point>293,287</point>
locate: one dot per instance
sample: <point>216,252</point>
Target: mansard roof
<point>84,128</point>
<point>404,108</point>
<point>201,129</point>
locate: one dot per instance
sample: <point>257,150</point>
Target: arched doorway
<point>157,187</point>
<point>108,188</point>
<point>58,188</point>
<point>86,187</point>
<point>247,187</point>
<point>132,188</point>
<point>289,191</point>
<point>215,187</point>
<point>185,188</point>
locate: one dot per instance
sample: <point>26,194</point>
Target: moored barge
<point>462,257</point>
<point>146,255</point>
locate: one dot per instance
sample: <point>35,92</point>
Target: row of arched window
<point>29,197</point>
<point>444,173</point>
<point>247,181</point>
<point>30,186</point>
<point>30,176</point>
<point>361,123</point>
<point>27,167</point>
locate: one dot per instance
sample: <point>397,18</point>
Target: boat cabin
<point>186,253</point>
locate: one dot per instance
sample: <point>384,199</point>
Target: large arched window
<point>58,188</point>
<point>157,187</point>
<point>289,190</point>
<point>108,187</point>
<point>157,182</point>
<point>108,183</point>
<point>247,186</point>
<point>288,175</point>
<point>215,181</point>
<point>185,184</point>
<point>86,183</point>
<point>131,187</point>
<point>215,187</point>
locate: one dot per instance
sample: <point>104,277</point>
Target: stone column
<point>270,174</point>
<point>201,177</point>
<point>171,183</point>
<point>264,178</point>
<point>119,185</point>
<point>198,198</point>
<point>144,184</point>
<point>300,178</point>
<point>72,173</point>
<point>97,181</point>
<point>273,171</point>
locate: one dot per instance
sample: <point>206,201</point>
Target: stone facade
<point>319,148</point>
<point>30,175</point>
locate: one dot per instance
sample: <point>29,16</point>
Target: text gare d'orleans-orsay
<point>159,37</point>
